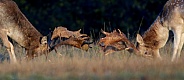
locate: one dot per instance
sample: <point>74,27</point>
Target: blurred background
<point>92,15</point>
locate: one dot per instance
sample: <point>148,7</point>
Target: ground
<point>75,64</point>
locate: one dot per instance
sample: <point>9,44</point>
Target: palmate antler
<point>110,38</point>
<point>62,32</point>
<point>115,41</point>
<point>72,38</point>
<point>106,33</point>
<point>76,42</point>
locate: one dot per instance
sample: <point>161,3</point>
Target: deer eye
<point>146,53</point>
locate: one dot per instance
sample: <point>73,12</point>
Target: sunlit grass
<point>75,64</point>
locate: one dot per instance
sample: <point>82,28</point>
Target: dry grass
<point>76,64</point>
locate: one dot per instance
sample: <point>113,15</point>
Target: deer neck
<point>156,36</point>
<point>26,34</point>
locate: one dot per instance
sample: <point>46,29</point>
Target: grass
<point>75,64</point>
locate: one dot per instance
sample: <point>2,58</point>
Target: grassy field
<point>75,64</point>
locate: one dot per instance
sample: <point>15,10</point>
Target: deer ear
<point>40,40</point>
<point>43,40</point>
<point>139,39</point>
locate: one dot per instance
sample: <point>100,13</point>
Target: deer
<point>14,25</point>
<point>170,18</point>
<point>116,41</point>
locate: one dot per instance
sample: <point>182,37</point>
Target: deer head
<point>147,50</point>
<point>41,49</point>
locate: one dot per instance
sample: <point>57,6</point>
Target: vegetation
<point>91,15</point>
<point>75,64</point>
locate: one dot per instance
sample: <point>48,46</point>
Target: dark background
<point>92,15</point>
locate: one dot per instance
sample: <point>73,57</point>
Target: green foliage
<point>91,15</point>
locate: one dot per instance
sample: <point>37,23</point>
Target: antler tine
<point>83,35</point>
<point>79,30</point>
<point>119,31</point>
<point>55,28</point>
<point>106,33</point>
<point>59,27</point>
<point>114,30</point>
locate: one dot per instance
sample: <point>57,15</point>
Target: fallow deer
<point>116,41</point>
<point>15,25</point>
<point>170,18</point>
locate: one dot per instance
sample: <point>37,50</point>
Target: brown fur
<point>170,18</point>
<point>150,37</point>
<point>14,22</point>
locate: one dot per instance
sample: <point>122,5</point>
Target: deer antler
<point>114,31</point>
<point>106,33</point>
<point>119,31</point>
<point>79,30</point>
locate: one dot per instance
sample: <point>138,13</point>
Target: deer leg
<point>180,46</point>
<point>9,46</point>
<point>13,52</point>
<point>177,38</point>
